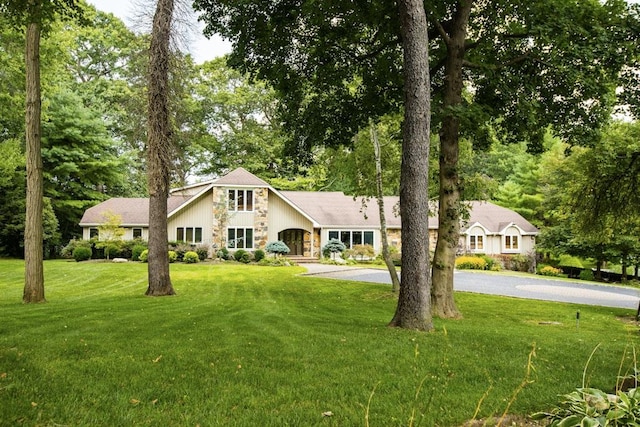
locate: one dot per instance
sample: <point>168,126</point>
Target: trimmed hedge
<point>471,263</point>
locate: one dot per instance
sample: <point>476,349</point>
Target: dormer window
<point>240,200</point>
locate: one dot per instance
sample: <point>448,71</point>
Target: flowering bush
<point>471,263</point>
<point>548,270</point>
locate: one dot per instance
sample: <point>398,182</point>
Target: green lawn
<point>260,346</point>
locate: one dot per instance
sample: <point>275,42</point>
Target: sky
<point>199,46</point>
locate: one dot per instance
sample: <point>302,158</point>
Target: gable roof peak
<point>241,177</point>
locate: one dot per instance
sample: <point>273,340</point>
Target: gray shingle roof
<point>495,218</point>
<point>134,211</point>
<point>328,209</point>
<point>339,210</point>
<point>241,177</point>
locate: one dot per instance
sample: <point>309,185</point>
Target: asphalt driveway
<point>534,287</point>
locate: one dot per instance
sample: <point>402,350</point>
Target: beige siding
<point>241,219</point>
<point>282,217</point>
<point>196,214</point>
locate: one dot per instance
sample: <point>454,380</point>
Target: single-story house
<point>241,211</point>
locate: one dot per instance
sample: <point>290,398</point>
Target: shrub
<point>223,254</point>
<point>467,262</point>
<point>242,256</point>
<point>136,251</point>
<point>191,257</point>
<point>333,247</point>
<point>276,262</point>
<point>180,249</point>
<point>587,274</point>
<point>202,251</point>
<point>593,407</point>
<point>362,251</point>
<point>82,253</point>
<point>67,251</point>
<point>144,255</point>
<point>278,248</point>
<point>491,263</point>
<point>548,270</point>
<point>258,255</point>
<point>173,256</point>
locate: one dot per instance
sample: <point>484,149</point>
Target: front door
<point>294,239</point>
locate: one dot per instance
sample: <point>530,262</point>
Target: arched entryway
<point>294,238</point>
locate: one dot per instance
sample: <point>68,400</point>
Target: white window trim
<point>184,234</point>
<point>245,240</point>
<point>350,230</point>
<point>235,200</point>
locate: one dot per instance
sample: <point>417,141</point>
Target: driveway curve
<point>534,287</point>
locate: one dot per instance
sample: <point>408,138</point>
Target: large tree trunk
<point>442,300</point>
<point>393,273</point>
<point>413,310</point>
<point>159,150</point>
<point>33,233</point>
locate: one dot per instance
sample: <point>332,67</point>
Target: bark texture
<point>393,273</point>
<point>413,310</point>
<point>33,233</point>
<point>449,210</point>
<point>159,150</point>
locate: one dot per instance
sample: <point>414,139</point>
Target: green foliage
<point>144,256</point>
<point>292,334</point>
<point>67,251</point>
<point>595,408</point>
<point>82,253</point>
<point>202,251</point>
<point>242,256</point>
<point>180,249</point>
<point>549,270</point>
<point>190,257</point>
<point>258,255</point>
<point>223,254</point>
<point>332,247</point>
<point>278,248</point>
<point>361,252</point>
<point>570,261</point>
<point>467,262</point>
<point>586,274</point>
<point>136,251</point>
<point>173,256</point>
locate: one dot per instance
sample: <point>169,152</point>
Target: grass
<point>247,345</point>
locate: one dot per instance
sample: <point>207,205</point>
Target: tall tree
<point>33,14</point>
<point>33,233</point>
<point>159,149</point>
<point>338,63</point>
<point>413,310</point>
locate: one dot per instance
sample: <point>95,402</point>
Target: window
<point>511,242</point>
<point>352,238</point>
<point>240,238</point>
<point>93,232</point>
<point>476,243</point>
<point>240,200</point>
<point>137,233</point>
<point>189,234</point>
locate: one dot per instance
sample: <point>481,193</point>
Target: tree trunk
<point>395,281</point>
<point>414,310</point>
<point>159,151</point>
<point>33,233</point>
<point>442,299</point>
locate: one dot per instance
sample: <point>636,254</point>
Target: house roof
<point>133,211</point>
<point>496,218</point>
<point>326,209</point>
<point>335,209</point>
<point>240,177</point>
